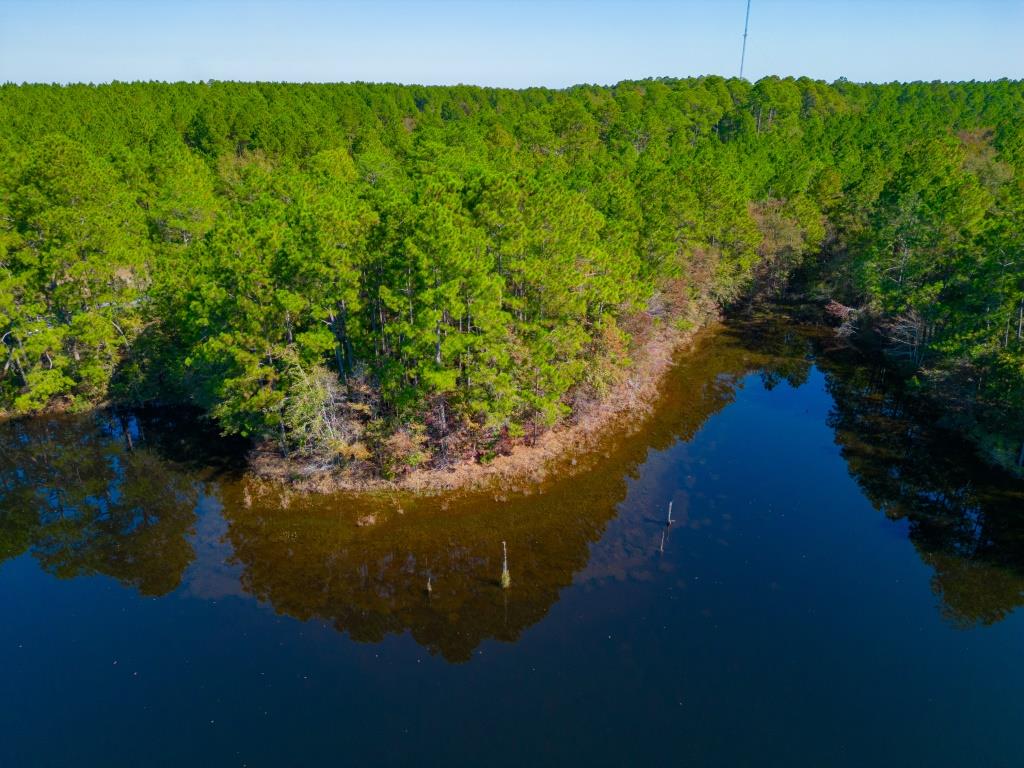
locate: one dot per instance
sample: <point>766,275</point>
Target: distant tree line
<point>397,275</point>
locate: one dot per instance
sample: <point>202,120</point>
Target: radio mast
<point>746,25</point>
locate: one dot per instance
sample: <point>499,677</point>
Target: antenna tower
<point>746,25</point>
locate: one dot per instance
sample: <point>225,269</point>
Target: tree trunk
<point>342,355</point>
<point>126,430</point>
<point>17,365</point>
<point>339,363</point>
<point>284,437</point>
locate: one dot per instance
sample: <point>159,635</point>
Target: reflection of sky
<point>712,480</point>
<point>505,42</point>
<point>212,576</point>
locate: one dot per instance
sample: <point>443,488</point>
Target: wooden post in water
<point>506,579</point>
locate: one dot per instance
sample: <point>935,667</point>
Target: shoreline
<point>528,463</point>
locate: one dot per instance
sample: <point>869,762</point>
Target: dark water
<point>839,588</point>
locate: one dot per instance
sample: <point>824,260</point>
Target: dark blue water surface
<point>838,588</point>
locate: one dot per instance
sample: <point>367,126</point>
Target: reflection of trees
<point>310,558</point>
<point>102,495</point>
<point>89,495</point>
<point>965,520</point>
<point>314,561</point>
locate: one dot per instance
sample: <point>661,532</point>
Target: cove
<point>839,586</point>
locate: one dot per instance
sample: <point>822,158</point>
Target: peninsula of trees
<point>387,277</point>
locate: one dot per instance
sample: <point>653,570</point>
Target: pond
<point>839,586</point>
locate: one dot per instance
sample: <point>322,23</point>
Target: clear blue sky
<point>506,42</point>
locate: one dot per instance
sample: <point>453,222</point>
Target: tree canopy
<point>396,274</point>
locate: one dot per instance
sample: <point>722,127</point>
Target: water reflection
<point>966,520</point>
<point>90,495</point>
<point>140,498</point>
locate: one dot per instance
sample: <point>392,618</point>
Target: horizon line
<point>650,78</point>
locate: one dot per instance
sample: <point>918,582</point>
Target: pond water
<point>839,587</point>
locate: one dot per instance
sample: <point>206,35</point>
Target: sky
<point>510,43</point>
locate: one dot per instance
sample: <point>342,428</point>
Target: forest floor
<point>530,461</point>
